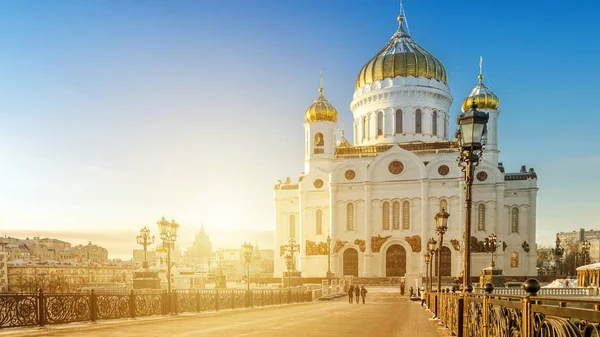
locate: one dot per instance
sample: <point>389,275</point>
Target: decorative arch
<point>514,220</point>
<point>514,260</point>
<point>434,118</point>
<point>350,217</point>
<point>444,205</point>
<point>350,262</point>
<point>319,141</point>
<point>380,123</point>
<point>398,121</point>
<point>292,225</point>
<point>418,121</point>
<point>319,222</point>
<point>396,215</point>
<point>481,217</point>
<point>406,214</point>
<point>386,216</point>
<point>395,261</point>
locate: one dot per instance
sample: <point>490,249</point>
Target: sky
<point>113,113</point>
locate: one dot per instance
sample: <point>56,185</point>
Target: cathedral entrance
<point>395,261</point>
<point>446,267</point>
<point>351,262</point>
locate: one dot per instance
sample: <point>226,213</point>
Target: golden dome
<point>402,56</point>
<point>343,142</point>
<point>321,110</point>
<point>483,96</point>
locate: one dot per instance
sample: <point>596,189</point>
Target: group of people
<point>357,292</point>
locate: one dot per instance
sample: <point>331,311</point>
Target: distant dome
<point>402,56</point>
<point>321,110</point>
<point>483,96</point>
<point>343,142</point>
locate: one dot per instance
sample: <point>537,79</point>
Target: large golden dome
<point>321,110</point>
<point>402,56</point>
<point>483,96</point>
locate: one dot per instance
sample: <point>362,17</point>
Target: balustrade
<point>17,310</point>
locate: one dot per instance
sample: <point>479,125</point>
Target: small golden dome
<point>483,96</point>
<point>343,142</point>
<point>402,56</point>
<point>321,110</point>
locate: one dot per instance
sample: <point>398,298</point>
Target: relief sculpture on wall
<point>455,244</point>
<point>414,242</point>
<point>339,244</point>
<point>361,244</point>
<point>377,242</point>
<point>314,248</point>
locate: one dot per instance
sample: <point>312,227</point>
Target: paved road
<point>384,314</point>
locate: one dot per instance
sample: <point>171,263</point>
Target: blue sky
<point>115,112</point>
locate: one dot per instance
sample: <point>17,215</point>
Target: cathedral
<point>377,197</point>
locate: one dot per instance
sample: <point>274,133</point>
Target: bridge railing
<point>532,314</point>
<point>19,310</point>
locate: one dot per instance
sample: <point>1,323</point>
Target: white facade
<point>401,171</point>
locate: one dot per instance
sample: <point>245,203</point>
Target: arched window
<point>319,222</point>
<point>386,215</point>
<point>481,217</point>
<point>319,139</point>
<point>396,215</point>
<point>514,220</point>
<point>514,260</point>
<point>364,127</point>
<point>398,121</point>
<point>350,217</point>
<point>292,225</point>
<point>405,215</point>
<point>434,123</point>
<point>418,117</point>
<point>380,123</point>
<point>444,205</point>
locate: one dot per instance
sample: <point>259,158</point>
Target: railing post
<point>173,302</point>
<point>93,306</point>
<point>531,286</point>
<point>216,300</point>
<point>460,313</point>
<point>165,303</point>
<point>131,304</point>
<point>41,308</point>
<point>198,302</point>
<point>249,298</point>
<point>489,288</point>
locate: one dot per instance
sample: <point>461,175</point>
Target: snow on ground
<point>562,283</point>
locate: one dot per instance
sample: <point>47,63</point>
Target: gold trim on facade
<point>374,150</point>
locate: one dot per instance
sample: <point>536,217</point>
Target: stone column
<point>424,223</point>
<point>333,228</point>
<point>300,239</point>
<point>531,232</point>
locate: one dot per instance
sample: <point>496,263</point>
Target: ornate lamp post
<point>585,251</point>
<point>470,143</point>
<point>431,249</point>
<point>248,250</point>
<point>291,248</point>
<point>441,222</point>
<point>168,235</point>
<point>289,262</point>
<point>145,240</point>
<point>490,245</point>
<point>329,273</point>
<point>221,283</point>
<point>558,252</point>
<point>427,260</point>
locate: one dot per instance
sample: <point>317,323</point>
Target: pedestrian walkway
<point>386,313</point>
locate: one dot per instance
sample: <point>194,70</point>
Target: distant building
<point>138,257</point>
<point>574,237</point>
<point>3,272</point>
<point>202,247</point>
<point>50,249</point>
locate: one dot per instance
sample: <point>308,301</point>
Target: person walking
<point>363,293</point>
<point>412,292</point>
<point>422,297</point>
<point>350,293</point>
<point>357,293</point>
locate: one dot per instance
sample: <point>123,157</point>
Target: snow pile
<point>562,283</point>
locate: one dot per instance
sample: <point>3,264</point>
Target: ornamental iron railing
<point>531,315</point>
<point>19,310</point>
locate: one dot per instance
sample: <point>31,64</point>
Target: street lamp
<point>441,223</point>
<point>558,252</point>
<point>329,274</point>
<point>585,251</point>
<point>289,262</point>
<point>427,260</point>
<point>248,251</point>
<point>470,142</point>
<point>221,284</point>
<point>490,245</point>
<point>431,249</point>
<point>168,235</point>
<point>145,240</point>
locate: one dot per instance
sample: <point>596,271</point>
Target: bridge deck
<point>386,313</point>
